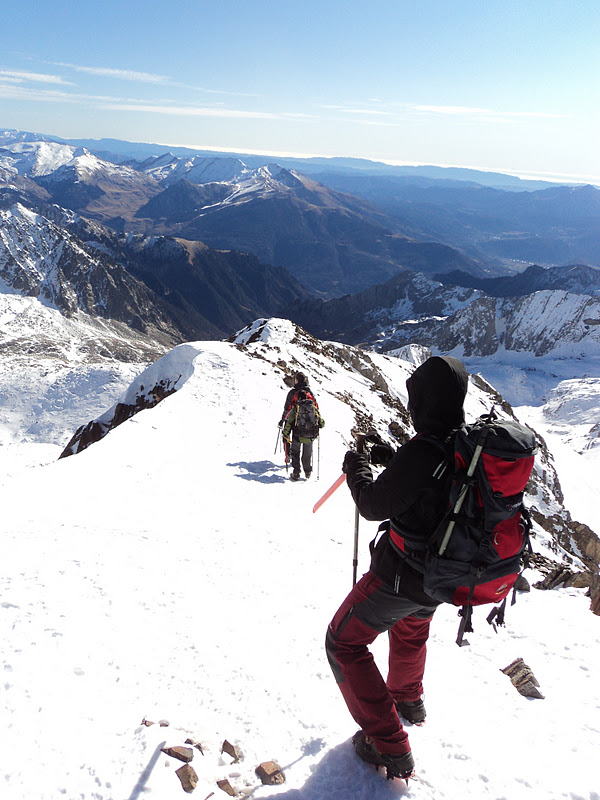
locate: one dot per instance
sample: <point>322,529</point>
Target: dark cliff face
<point>210,293</point>
<point>169,289</point>
<point>575,278</point>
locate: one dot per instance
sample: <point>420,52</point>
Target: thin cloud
<point>15,91</point>
<point>197,111</point>
<point>216,91</point>
<point>34,77</point>
<point>474,111</point>
<point>10,90</point>
<point>146,77</point>
<point>351,110</point>
<point>120,74</point>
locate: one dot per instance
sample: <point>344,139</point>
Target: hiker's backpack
<point>474,556</point>
<point>306,422</point>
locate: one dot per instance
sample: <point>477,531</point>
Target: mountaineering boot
<point>295,476</point>
<point>307,474</point>
<point>412,710</point>
<point>397,765</point>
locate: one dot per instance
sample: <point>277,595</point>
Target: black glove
<point>351,461</point>
<point>280,423</point>
<point>381,454</point>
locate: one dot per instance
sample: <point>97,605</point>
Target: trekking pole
<point>463,491</point>
<point>360,448</point>
<point>277,440</point>
<point>318,456</point>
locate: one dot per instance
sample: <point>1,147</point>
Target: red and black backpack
<point>304,413</point>
<point>474,556</point>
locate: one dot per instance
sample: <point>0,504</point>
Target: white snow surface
<point>57,373</point>
<point>560,399</point>
<point>172,572</point>
<point>37,158</point>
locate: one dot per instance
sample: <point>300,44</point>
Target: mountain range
<point>124,250</point>
<point>559,308</point>
<point>557,225</point>
<point>168,289</point>
<point>331,242</point>
<point>501,222</point>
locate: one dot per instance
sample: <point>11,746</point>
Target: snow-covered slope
<point>170,571</point>
<point>56,372</point>
<point>43,258</point>
<point>168,169</point>
<point>44,159</point>
<point>37,158</point>
<point>547,323</point>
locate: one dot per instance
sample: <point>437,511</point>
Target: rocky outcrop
<point>95,430</point>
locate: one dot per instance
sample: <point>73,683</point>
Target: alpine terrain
<point>165,589</point>
<point>169,587</point>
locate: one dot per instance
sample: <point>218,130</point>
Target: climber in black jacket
<point>412,493</point>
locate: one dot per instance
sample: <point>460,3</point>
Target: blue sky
<point>511,85</point>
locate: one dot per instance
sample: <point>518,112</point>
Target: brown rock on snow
<point>188,777</point>
<point>227,787</point>
<point>231,750</point>
<point>270,773</point>
<point>182,753</point>
<point>523,679</point>
<point>195,744</point>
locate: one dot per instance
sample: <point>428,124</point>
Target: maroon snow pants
<point>371,608</point>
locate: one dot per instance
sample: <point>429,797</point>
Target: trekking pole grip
<point>360,448</point>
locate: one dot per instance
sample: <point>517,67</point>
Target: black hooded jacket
<point>407,492</point>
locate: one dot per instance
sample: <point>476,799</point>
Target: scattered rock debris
<point>269,772</point>
<point>195,744</point>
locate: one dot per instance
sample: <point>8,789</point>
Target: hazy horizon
<point>504,86</point>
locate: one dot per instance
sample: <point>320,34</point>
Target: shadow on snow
<point>261,471</point>
<point>340,774</point>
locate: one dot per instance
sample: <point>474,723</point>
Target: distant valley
<point>188,245</point>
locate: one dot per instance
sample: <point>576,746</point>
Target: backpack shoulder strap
<point>446,449</point>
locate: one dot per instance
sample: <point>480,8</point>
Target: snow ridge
<point>171,571</point>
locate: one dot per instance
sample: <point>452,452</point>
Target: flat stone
<point>181,753</point>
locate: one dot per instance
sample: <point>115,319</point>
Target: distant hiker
<point>301,422</point>
<point>390,596</point>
